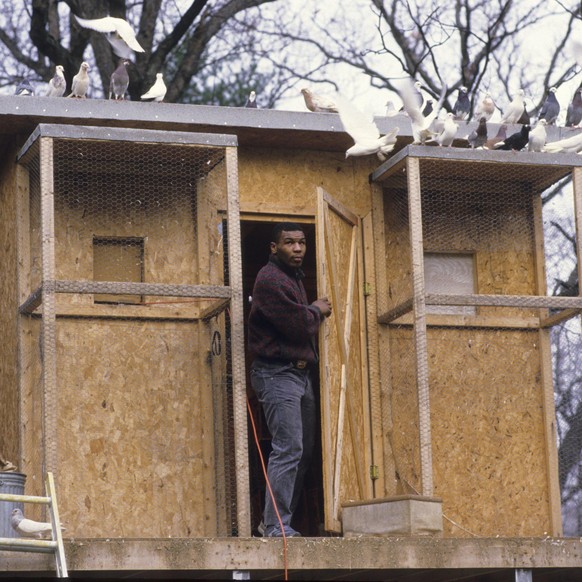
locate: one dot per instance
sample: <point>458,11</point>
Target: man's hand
<point>324,305</point>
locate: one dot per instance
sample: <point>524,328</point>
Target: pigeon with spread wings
<point>119,33</point>
<point>364,132</point>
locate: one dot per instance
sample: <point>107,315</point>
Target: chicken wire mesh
<point>126,329</point>
<point>466,327</point>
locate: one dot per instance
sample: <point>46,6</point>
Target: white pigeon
<point>537,137</point>
<point>447,135</point>
<point>157,91</point>
<point>28,528</point>
<point>58,84</point>
<point>569,145</point>
<point>486,108</point>
<point>421,125</point>
<point>80,82</point>
<point>515,108</point>
<point>365,132</point>
<point>251,102</point>
<point>119,33</point>
<point>391,111</point>
<point>318,103</point>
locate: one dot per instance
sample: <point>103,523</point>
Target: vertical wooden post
<point>237,346</point>
<point>420,340</point>
<point>48,328</point>
<point>548,405</point>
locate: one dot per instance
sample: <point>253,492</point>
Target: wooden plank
<point>485,321</point>
<point>420,340</point>
<point>238,347</point>
<point>526,301</point>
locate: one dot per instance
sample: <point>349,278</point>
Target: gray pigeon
<point>478,137</point>
<point>119,81</point>
<point>80,82</point>
<point>58,84</point>
<point>462,106</point>
<point>28,528</point>
<point>550,108</point>
<point>574,113</point>
<point>252,100</point>
<point>158,90</point>
<point>24,89</point>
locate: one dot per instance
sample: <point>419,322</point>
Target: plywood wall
<point>9,425</point>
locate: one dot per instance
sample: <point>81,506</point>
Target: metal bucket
<point>12,483</point>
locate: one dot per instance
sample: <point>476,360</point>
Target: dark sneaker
<point>261,528</point>
<point>275,532</point>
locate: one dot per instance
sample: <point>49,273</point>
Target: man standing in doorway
<point>282,335</point>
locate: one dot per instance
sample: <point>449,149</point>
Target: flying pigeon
<point>80,82</point>
<point>516,141</point>
<point>365,133</point>
<point>447,135</point>
<point>119,81</point>
<point>462,106</point>
<point>157,91</point>
<point>574,113</point>
<point>119,33</point>
<point>318,103</point>
<point>569,145</point>
<point>499,137</point>
<point>537,137</point>
<point>478,137</point>
<point>421,125</point>
<point>28,528</point>
<point>252,100</point>
<point>58,84</point>
<point>550,108</point>
<point>486,108</point>
<point>515,108</point>
<point>24,89</point>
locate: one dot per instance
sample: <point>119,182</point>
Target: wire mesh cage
<point>131,350</point>
<point>467,322</point>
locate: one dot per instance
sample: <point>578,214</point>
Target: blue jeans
<point>286,395</point>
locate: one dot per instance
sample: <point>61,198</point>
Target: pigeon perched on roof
<point>365,132</point>
<point>24,89</point>
<point>318,103</point>
<point>57,85</point>
<point>447,135</point>
<point>158,90</point>
<point>421,124</point>
<point>550,108</point>
<point>574,113</point>
<point>119,81</point>
<point>499,137</point>
<point>462,106</point>
<point>569,145</point>
<point>119,33</point>
<point>515,108</point>
<point>28,528</point>
<point>391,111</point>
<point>537,137</point>
<point>80,82</point>
<point>251,100</point>
<point>485,108</point>
<point>525,117</point>
<point>478,136</point>
<point>516,141</point>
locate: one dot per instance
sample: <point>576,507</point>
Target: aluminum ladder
<point>52,546</point>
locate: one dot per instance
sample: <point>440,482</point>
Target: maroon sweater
<point>282,325</point>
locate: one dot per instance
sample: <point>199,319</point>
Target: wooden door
<point>346,443</point>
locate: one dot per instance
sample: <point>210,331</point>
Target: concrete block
<point>402,515</point>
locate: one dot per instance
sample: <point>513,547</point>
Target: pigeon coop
<point>127,346</point>
<point>465,318</point>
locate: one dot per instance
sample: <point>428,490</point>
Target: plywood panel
<point>487,429</point>
<point>135,429</point>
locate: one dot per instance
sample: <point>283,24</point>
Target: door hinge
<point>374,472</point>
<point>367,289</point>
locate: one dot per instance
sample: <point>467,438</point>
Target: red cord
<point>285,565</point>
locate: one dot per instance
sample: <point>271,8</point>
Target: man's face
<point>290,248</point>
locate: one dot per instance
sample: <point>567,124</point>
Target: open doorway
<point>309,517</point>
